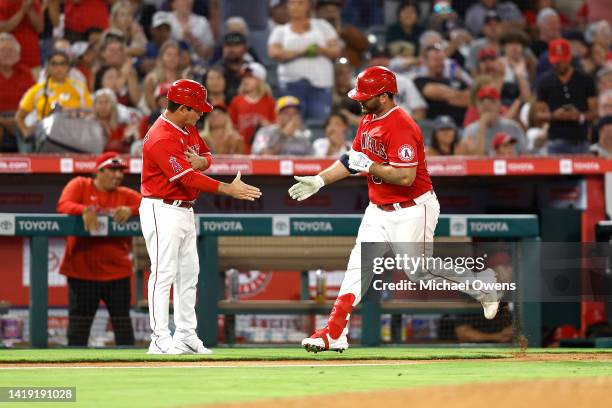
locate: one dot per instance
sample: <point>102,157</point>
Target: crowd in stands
<point>481,77</point>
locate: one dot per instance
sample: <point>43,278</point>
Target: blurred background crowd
<point>482,77</point>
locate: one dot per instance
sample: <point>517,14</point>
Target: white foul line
<point>94,366</point>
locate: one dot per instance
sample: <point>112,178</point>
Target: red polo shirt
<point>96,258</point>
<point>13,87</point>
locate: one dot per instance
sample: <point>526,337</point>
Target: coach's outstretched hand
<point>306,187</point>
<point>240,190</point>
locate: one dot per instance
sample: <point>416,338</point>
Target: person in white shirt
<point>334,144</point>
<point>195,30</point>
<point>305,48</point>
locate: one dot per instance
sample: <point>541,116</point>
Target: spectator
<point>603,147</point>
<point>518,67</point>
<point>443,96</point>
<point>167,70</point>
<point>507,11</point>
<point>113,54</point>
<point>343,81</point>
<point>82,15</point>
<point>99,268</point>
<point>219,133</point>
<point>570,96</point>
<point>119,135</point>
<point>334,144</point>
<point>444,139</point>
<point>160,34</point>
<point>254,15</point>
<point>122,23</point>
<point>491,31</point>
<point>235,56</point>
<point>84,55</point>
<point>253,107</point>
<point>15,80</point>
<point>537,130</point>
<point>24,20</point>
<point>305,48</point>
<point>195,30</point>
<point>57,90</point>
<point>279,15</point>
<point>503,145</point>
<point>443,17</point>
<point>581,51</point>
<point>235,25</point>
<point>600,33</point>
<point>478,137</point>
<point>215,83</point>
<point>355,43</point>
<point>604,79</point>
<point>549,28</point>
<point>288,136</point>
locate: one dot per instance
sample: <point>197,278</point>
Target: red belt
<point>393,207</point>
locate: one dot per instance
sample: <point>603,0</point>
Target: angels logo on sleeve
<point>406,153</point>
<point>176,167</point>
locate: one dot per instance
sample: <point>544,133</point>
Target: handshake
<point>309,185</point>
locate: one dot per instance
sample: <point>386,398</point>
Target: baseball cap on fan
<point>488,92</point>
<point>254,69</point>
<point>110,160</point>
<point>160,18</point>
<point>502,138</point>
<point>559,50</point>
<point>287,102</point>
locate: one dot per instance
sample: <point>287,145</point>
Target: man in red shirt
<point>15,80</point>
<point>173,157</point>
<point>23,18</point>
<point>403,206</point>
<point>99,268</point>
<point>81,15</point>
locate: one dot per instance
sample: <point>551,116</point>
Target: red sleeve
<point>205,151</point>
<point>402,145</point>
<point>233,110</point>
<point>200,181</point>
<point>71,200</point>
<point>272,110</point>
<point>131,198</point>
<point>169,156</point>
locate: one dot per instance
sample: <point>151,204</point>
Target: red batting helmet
<point>189,93</point>
<point>373,81</point>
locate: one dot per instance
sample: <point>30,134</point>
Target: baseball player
<point>172,160</point>
<point>403,206</point>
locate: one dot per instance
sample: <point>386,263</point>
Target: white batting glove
<point>359,161</point>
<point>306,187</point>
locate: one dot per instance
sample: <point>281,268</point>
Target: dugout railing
<point>210,228</point>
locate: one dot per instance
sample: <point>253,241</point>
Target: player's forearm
<point>201,182</point>
<point>394,175</point>
<point>65,206</point>
<point>333,173</point>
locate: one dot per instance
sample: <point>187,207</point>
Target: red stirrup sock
<point>343,306</point>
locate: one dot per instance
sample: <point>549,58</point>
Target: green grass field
<point>177,385</point>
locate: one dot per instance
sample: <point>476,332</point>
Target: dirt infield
<point>560,393</point>
<point>517,357</point>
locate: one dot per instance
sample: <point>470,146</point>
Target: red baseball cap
<point>110,160</point>
<point>559,50</point>
<point>502,138</point>
<point>487,53</point>
<point>488,92</point>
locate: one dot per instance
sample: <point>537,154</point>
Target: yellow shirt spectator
<point>69,94</point>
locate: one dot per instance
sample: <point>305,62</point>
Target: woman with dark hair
<point>407,27</point>
<point>444,138</point>
<point>334,144</point>
<point>215,83</point>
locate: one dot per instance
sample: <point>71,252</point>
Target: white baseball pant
<point>170,235</point>
<point>407,225</point>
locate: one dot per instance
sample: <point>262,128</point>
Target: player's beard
<point>371,106</point>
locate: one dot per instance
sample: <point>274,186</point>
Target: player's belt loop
<point>397,206</point>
